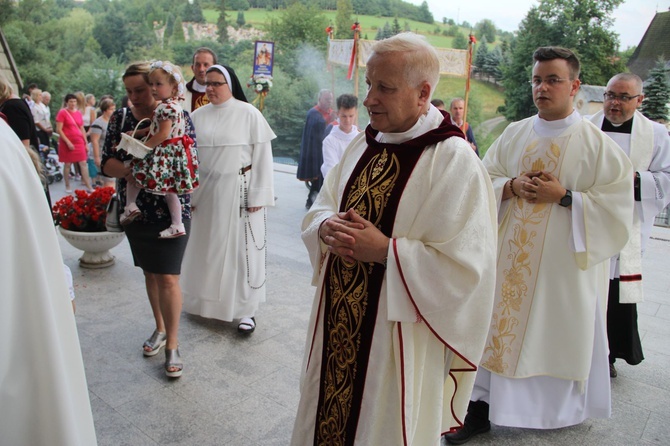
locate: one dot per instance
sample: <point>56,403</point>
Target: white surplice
<point>561,375</point>
<point>334,145</point>
<point>654,173</point>
<point>223,271</point>
<point>43,394</point>
<point>435,300</point>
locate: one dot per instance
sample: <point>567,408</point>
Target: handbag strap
<point>138,125</point>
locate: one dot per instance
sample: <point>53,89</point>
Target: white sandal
<point>130,213</point>
<point>247,325</point>
<point>173,231</point>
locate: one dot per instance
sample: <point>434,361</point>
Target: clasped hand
<point>541,187</point>
<point>352,237</point>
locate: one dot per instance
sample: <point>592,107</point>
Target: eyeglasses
<point>215,84</point>
<point>621,98</point>
<point>551,82</point>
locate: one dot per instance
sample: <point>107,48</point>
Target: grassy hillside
<point>369,24</point>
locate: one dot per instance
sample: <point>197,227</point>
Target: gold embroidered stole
<point>352,293</point>
<point>519,256</point>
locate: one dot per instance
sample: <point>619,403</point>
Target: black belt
<point>244,170</point>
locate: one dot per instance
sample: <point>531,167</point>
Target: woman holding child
<point>160,259</point>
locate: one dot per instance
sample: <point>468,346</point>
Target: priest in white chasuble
<point>565,207</point>
<point>647,144</point>
<point>223,272</point>
<point>402,240</point>
<point>44,398</point>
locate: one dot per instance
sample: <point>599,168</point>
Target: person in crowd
<point>84,108</point>
<point>647,144</point>
<point>72,146</point>
<point>224,265</point>
<point>160,260</point>
<point>45,399</point>
<point>18,115</point>
<point>457,110</point>
<point>89,114</point>
<point>28,97</point>
<point>41,115</point>
<point>15,112</point>
<point>565,207</point>
<point>46,99</point>
<point>170,169</point>
<point>438,103</point>
<point>195,96</point>
<point>341,134</point>
<point>98,133</point>
<point>402,240</point>
<point>311,147</point>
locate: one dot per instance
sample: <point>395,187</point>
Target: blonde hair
<point>35,94</point>
<point>422,64</point>
<point>81,100</point>
<point>6,90</point>
<point>173,73</point>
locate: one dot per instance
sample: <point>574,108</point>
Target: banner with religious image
<point>263,58</point>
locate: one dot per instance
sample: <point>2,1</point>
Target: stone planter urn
<point>96,246</point>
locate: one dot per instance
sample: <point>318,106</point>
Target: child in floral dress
<point>169,169</point>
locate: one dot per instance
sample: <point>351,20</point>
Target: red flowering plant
<point>85,212</point>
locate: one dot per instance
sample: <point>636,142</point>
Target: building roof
<point>8,67</point>
<point>654,44</point>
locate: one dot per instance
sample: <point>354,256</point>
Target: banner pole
<point>471,43</point>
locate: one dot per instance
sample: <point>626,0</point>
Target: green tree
<point>222,22</point>
<point>481,56</point>
<point>581,25</point>
<point>460,41</point>
<point>657,94</point>
<point>424,13</point>
<point>240,19</point>
<point>343,20</point>
<point>7,11</point>
<point>396,27</point>
<point>485,28</point>
<point>169,27</point>
<point>178,31</point>
<point>193,12</point>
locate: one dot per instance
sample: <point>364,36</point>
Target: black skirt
<point>155,255</point>
<point>622,334</point>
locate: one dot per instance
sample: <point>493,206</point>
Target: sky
<point>631,19</point>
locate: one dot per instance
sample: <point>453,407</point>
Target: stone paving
<point>243,391</point>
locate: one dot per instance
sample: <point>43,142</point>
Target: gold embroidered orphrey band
<point>518,264</point>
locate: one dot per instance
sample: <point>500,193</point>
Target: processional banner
<point>452,61</point>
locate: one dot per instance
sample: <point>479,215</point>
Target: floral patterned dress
<point>170,167</point>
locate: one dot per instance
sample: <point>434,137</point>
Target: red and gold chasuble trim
<point>198,99</point>
<point>518,264</point>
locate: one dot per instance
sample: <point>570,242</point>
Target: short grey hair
<point>628,77</point>
<point>422,63</point>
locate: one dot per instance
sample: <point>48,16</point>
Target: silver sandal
<point>173,360</point>
<point>157,341</point>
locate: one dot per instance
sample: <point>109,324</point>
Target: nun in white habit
<point>223,272</point>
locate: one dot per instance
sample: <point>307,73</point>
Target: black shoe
<point>469,430</point>
<point>613,372</point>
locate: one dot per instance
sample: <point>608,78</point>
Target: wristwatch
<point>566,201</point>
